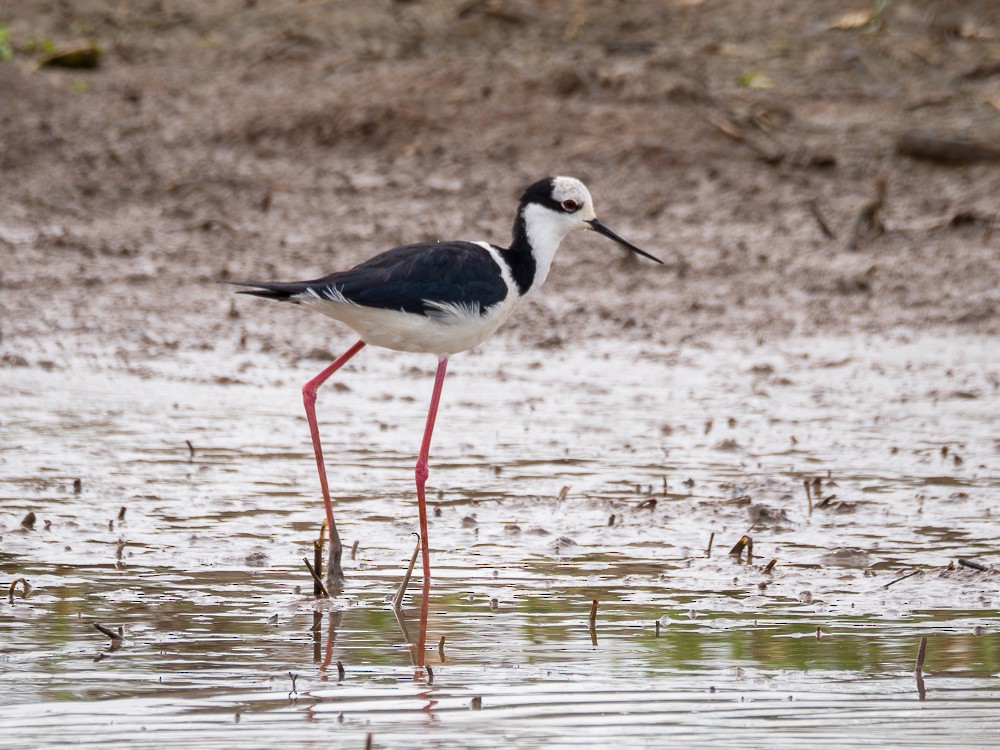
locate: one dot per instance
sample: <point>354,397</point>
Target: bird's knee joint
<point>421,471</point>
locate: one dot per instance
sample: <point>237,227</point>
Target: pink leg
<point>422,473</point>
<point>334,573</point>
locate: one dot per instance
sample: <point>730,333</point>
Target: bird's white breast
<point>453,329</point>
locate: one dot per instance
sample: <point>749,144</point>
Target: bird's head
<point>559,205</point>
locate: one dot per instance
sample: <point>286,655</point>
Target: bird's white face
<point>555,207</point>
<point>574,200</point>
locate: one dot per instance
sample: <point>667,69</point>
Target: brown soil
<point>242,139</point>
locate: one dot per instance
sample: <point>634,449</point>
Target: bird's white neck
<point>545,230</point>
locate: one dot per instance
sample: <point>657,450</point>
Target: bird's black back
<point>407,278</point>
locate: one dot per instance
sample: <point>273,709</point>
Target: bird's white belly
<point>444,334</point>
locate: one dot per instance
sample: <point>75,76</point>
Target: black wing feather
<point>407,278</point>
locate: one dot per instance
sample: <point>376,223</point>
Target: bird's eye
<point>569,205</point>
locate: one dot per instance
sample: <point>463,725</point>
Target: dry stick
<point>441,649</point>
<point>820,219</point>
<point>341,672</point>
<point>921,653</point>
<point>430,674</point>
<point>25,589</point>
<point>770,566</point>
<point>316,579</point>
<point>397,603</point>
<point>708,549</point>
<point>945,150</point>
<point>901,578</point>
<point>401,622</point>
<point>593,622</point>
<point>868,223</point>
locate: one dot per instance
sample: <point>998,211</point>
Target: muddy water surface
<point>533,455</point>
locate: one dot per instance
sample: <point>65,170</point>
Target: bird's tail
<point>281,291</point>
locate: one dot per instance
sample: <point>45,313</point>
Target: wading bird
<point>440,298</point>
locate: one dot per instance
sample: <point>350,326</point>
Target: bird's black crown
<point>541,193</point>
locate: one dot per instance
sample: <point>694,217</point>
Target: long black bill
<point>598,227</point>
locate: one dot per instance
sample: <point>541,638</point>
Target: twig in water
<point>319,544</point>
<point>966,563</point>
<point>25,589</point>
<point>826,501</point>
<point>738,547</point>
<point>921,653</point>
<point>441,649</point>
<point>593,622</point>
<point>121,513</point>
<point>430,674</point>
<point>809,497</point>
<point>28,522</point>
<point>341,672</point>
<point>190,449</point>
<point>316,579</point>
<point>902,578</point>
<point>770,566</point>
<point>397,603</point>
<point>317,566</point>
<point>708,549</point>
<point>657,628</point>
<point>293,678</point>
<point>750,551</point>
<point>354,549</point>
<point>368,742</point>
<point>115,635</point>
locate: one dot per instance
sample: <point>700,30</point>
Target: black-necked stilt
<point>440,298</point>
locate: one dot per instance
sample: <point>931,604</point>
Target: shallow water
<point>205,574</point>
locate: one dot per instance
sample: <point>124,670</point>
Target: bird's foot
<point>334,580</point>
<point>335,577</point>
